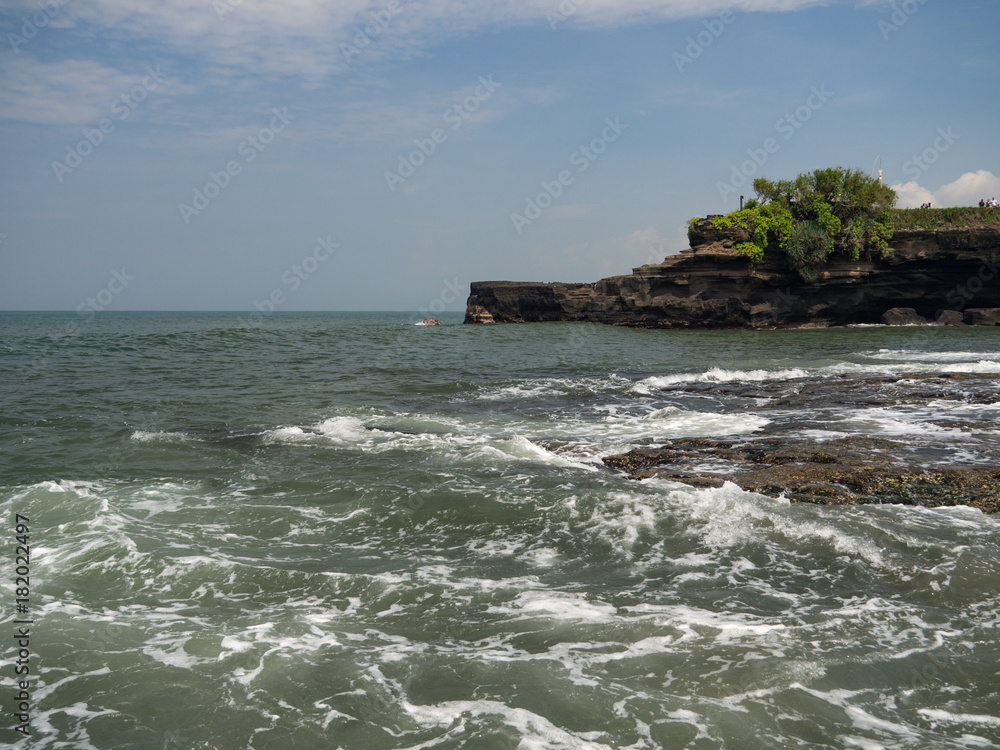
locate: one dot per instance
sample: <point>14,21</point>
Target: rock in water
<point>950,318</point>
<point>979,316</point>
<point>854,470</point>
<point>430,322</point>
<point>903,316</point>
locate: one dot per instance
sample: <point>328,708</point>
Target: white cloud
<point>912,195</point>
<point>303,38</point>
<point>967,190</point>
<point>238,44</point>
<point>81,92</point>
<point>70,91</point>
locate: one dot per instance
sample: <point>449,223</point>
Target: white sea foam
<point>522,448</point>
<point>728,517</point>
<point>581,440</point>
<point>66,720</point>
<point>900,423</point>
<point>698,624</point>
<point>557,605</point>
<point>548,387</point>
<point>434,437</point>
<point>718,375</point>
<point>343,430</point>
<point>531,389</point>
<point>933,357</point>
<point>940,716</point>
<point>161,436</point>
<point>906,363</point>
<point>534,730</point>
<point>592,439</point>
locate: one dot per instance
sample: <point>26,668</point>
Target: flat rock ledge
<point>846,471</point>
<point>854,470</point>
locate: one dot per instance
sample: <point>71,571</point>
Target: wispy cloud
<point>69,91</point>
<point>303,38</point>
<point>399,121</point>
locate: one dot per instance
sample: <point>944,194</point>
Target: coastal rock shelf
<point>946,274</point>
<point>954,462</point>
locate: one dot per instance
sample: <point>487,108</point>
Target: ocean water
<point>349,531</point>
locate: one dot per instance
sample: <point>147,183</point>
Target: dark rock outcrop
<point>983,317</point>
<point>950,318</point>
<point>903,316</point>
<point>845,471</point>
<point>710,285</point>
<point>931,468</point>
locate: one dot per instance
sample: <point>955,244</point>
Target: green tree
<point>815,215</point>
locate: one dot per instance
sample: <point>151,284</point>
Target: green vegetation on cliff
<point>814,215</point>
<point>946,218</point>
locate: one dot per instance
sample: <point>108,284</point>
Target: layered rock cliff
<point>710,285</point>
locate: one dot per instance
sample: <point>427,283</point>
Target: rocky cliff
<point>951,274</point>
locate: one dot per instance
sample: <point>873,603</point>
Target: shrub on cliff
<point>808,248</point>
<point>815,215</point>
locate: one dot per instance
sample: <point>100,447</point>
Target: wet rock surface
<point>955,461</point>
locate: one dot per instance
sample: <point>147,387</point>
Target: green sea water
<point>349,531</point>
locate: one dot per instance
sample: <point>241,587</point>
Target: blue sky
<point>257,154</point>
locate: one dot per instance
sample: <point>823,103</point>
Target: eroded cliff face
<point>711,286</point>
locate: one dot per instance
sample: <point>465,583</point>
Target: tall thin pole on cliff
<point>741,203</point>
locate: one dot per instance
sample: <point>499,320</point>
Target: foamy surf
<point>355,537</point>
<point>718,375</point>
